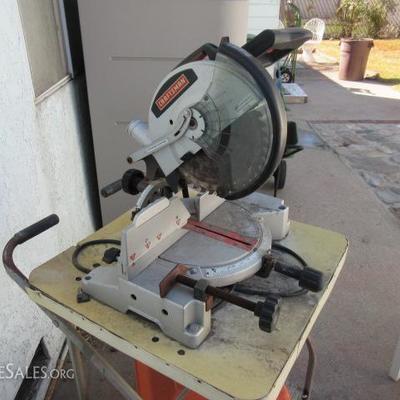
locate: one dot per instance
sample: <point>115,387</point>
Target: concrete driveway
<point>346,182</point>
<point>360,121</point>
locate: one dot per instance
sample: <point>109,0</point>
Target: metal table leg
<point>78,347</point>
<point>80,374</point>
<point>394,371</point>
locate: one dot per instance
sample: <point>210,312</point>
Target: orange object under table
<point>151,385</point>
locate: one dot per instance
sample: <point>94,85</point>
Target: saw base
<point>208,256</point>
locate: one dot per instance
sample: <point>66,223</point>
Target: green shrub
<point>376,16</point>
<point>350,14</point>
<point>361,18</point>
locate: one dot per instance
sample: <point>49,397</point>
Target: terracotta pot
<point>353,58</point>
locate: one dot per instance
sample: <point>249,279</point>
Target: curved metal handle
<point>19,238</point>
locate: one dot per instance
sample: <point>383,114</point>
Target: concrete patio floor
<point>334,100</point>
<point>365,134</point>
<point>357,331</point>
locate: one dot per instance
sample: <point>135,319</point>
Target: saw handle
<point>111,188</point>
<point>133,182</point>
<point>207,50</point>
<point>274,44</point>
<point>19,238</point>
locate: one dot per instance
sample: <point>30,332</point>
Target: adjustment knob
<point>311,279</point>
<point>268,313</point>
<point>130,181</point>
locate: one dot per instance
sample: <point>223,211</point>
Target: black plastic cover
<point>272,44</point>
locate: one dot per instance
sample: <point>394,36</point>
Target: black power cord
<point>287,250</point>
<point>80,247</point>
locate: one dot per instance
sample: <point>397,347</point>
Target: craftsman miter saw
<point>216,131</point>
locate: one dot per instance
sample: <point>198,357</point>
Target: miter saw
<point>216,131</point>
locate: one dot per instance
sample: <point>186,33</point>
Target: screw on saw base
<point>267,311</point>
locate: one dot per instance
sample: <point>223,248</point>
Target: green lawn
<point>384,59</point>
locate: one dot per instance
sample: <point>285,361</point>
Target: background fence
<point>326,10</point>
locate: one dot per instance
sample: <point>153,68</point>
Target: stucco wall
<point>42,170</point>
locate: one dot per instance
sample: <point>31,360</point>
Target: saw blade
<point>238,133</point>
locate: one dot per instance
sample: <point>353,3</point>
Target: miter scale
<point>216,131</point>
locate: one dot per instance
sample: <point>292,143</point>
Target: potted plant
<point>354,51</point>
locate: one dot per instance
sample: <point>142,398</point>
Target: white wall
<point>263,14</point>
<point>41,172</point>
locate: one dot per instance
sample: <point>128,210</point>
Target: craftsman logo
<point>170,94</point>
<point>171,90</point>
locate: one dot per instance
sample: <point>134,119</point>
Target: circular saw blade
<point>237,142</point>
